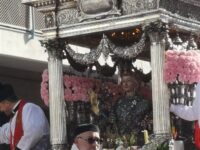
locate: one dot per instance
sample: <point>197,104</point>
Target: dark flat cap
<point>84,128</point>
<point>6,91</point>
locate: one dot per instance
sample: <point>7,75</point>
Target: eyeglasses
<point>92,140</point>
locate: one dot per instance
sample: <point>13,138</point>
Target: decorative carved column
<point>160,94</point>
<point>58,123</point>
<point>161,117</point>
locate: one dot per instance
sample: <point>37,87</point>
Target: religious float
<point>126,30</point>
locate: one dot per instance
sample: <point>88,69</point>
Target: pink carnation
<point>182,65</point>
<point>78,88</point>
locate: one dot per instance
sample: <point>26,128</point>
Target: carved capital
<point>157,31</point>
<point>55,47</point>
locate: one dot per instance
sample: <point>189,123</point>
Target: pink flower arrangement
<point>182,66</point>
<point>44,91</point>
<point>77,88</point>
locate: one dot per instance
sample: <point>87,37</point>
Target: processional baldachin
<point>95,23</point>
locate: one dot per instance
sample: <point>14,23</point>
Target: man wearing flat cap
<point>28,128</point>
<point>86,137</point>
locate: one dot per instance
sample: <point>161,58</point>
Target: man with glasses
<point>87,137</point>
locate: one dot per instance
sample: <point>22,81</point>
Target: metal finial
<point>169,42</point>
<point>177,40</point>
<point>191,44</point>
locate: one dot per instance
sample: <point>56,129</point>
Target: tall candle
<point>146,137</point>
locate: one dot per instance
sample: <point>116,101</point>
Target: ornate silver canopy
<point>67,19</point>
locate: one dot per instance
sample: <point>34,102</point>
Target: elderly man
<point>28,128</point>
<point>86,137</point>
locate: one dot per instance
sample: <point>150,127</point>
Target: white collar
<point>15,106</point>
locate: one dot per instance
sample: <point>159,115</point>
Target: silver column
<point>161,117</point>
<point>56,102</point>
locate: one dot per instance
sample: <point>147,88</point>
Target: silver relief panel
<point>185,8</point>
<point>133,6</point>
<point>67,16</point>
<point>96,9</point>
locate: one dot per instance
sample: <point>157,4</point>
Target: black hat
<point>6,91</point>
<point>84,128</point>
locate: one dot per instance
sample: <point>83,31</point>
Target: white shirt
<point>190,113</point>
<point>35,126</point>
<point>74,147</point>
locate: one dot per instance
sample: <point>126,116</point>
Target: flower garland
<point>183,66</point>
<point>77,88</point>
